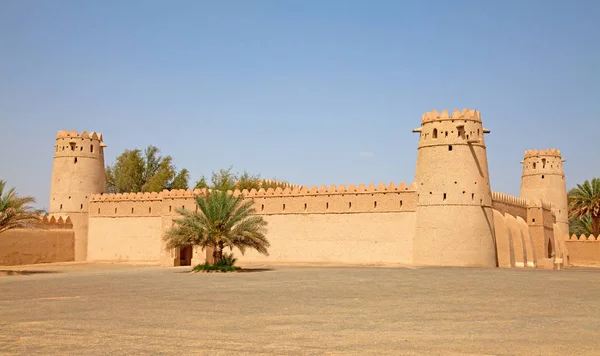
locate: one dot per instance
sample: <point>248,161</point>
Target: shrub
<point>224,264</point>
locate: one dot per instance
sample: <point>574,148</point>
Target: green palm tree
<point>223,221</point>
<point>15,211</point>
<point>584,202</point>
<point>580,227</point>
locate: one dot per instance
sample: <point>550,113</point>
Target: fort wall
<point>51,240</point>
<point>305,224</point>
<point>584,250</point>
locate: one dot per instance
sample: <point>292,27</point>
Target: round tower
<point>77,172</point>
<point>454,223</point>
<point>544,179</point>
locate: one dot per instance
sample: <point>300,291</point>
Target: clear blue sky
<point>297,89</point>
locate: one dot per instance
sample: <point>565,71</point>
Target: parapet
<point>125,196</point>
<point>289,191</point>
<point>543,152</point>
<point>54,221</point>
<point>584,238</point>
<point>509,199</point>
<point>84,134</point>
<point>465,114</point>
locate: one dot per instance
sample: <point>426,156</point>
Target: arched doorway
<point>550,250</point>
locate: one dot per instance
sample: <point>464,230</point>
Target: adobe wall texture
<point>584,250</point>
<point>49,241</point>
<point>124,239</point>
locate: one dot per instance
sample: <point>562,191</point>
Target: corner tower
<point>454,223</point>
<point>544,179</point>
<point>77,172</point>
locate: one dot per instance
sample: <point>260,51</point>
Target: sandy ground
<point>116,309</point>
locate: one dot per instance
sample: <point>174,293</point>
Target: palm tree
<point>222,221</point>
<point>584,202</point>
<point>580,227</point>
<point>15,211</point>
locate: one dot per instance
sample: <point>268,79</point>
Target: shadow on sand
<point>243,270</point>
<point>8,272</point>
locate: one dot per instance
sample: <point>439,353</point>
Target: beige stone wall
<point>51,240</point>
<point>583,250</point>
<point>360,238</point>
<point>124,239</point>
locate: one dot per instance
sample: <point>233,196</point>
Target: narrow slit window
<point>435,134</point>
<point>60,206</point>
<point>375,205</point>
<point>449,147</point>
<point>305,206</point>
<point>170,208</point>
<point>349,205</point>
<point>132,210</point>
<point>92,148</point>
<point>444,196</point>
<point>81,206</point>
<point>400,203</point>
<point>326,206</point>
<point>473,196</point>
<point>262,207</point>
<point>283,207</point>
<point>75,160</point>
<point>115,210</point>
<point>150,210</point>
<point>98,210</point>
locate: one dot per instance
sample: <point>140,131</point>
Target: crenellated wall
<point>584,250</point>
<point>509,204</point>
<point>51,239</point>
<point>354,224</point>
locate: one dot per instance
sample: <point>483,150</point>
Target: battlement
<point>543,152</point>
<point>125,196</point>
<point>465,114</point>
<point>591,238</point>
<point>287,191</point>
<point>84,135</point>
<point>54,221</point>
<point>509,199</point>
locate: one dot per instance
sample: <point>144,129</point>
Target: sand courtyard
<point>114,309</point>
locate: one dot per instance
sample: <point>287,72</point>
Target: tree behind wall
<point>584,206</point>
<point>225,180</point>
<point>15,210</point>
<point>136,171</point>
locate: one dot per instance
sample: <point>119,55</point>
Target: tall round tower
<point>544,178</point>
<point>77,172</point>
<point>454,222</point>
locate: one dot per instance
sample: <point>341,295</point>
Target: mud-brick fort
<point>448,216</point>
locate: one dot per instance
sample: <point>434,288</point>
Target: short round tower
<point>544,179</point>
<point>77,172</point>
<point>454,222</point>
